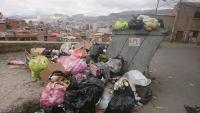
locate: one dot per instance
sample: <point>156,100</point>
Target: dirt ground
<point>175,66</point>
<point>18,89</point>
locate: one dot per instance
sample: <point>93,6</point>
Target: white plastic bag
<point>134,77</point>
<point>119,84</point>
<point>141,17</point>
<point>65,48</point>
<point>137,78</point>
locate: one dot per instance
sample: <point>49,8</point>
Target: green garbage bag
<point>103,58</point>
<point>121,24</point>
<point>37,64</point>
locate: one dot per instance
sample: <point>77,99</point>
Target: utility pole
<point>157,6</point>
<point>175,20</point>
<point>158,1</point>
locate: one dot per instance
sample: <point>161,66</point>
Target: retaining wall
<point>15,46</point>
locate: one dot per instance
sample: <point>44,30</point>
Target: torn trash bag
<point>83,98</point>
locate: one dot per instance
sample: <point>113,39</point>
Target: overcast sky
<point>71,7</point>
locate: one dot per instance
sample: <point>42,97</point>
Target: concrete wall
<point>14,46</point>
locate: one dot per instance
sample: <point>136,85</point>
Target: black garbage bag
<point>145,93</point>
<point>135,24</point>
<point>47,52</point>
<point>195,109</point>
<point>55,109</point>
<point>95,51</point>
<point>116,65</point>
<point>123,100</point>
<point>83,99</point>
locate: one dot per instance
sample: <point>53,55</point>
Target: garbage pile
<point>80,79</point>
<point>139,22</point>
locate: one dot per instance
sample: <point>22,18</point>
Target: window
<point>195,34</point>
<point>45,38</point>
<point>197,15</point>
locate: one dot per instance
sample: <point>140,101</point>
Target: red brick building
<point>2,25</point>
<point>21,36</point>
<point>42,36</point>
<point>15,24</point>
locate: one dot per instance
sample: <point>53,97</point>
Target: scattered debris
<point>170,77</point>
<point>192,85</point>
<point>15,61</point>
<point>159,107</point>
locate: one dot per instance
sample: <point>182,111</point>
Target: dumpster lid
<point>158,32</point>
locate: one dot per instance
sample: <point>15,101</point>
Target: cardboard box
<point>44,75</point>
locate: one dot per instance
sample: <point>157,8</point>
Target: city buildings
<point>103,35</point>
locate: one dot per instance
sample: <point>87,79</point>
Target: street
<point>176,68</point>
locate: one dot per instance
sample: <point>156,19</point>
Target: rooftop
<point>104,30</point>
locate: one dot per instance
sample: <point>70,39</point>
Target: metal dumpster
<point>137,47</point>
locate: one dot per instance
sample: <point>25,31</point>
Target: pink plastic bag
<point>80,76</point>
<point>79,53</point>
<point>52,95</point>
<point>95,71</point>
<point>65,60</point>
<point>100,68</point>
<point>72,64</point>
<point>77,66</point>
<point>16,62</point>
